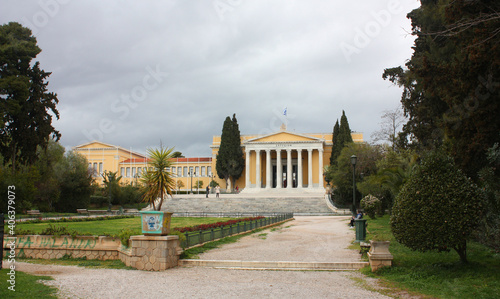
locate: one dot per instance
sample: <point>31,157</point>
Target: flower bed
<point>215,225</point>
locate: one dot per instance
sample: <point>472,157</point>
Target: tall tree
<point>451,92</point>
<point>345,136</point>
<point>390,125</point>
<point>336,149</point>
<point>26,105</point>
<point>230,161</point>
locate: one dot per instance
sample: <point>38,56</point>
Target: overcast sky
<point>132,73</point>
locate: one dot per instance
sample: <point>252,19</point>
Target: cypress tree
<point>345,136</point>
<point>238,162</point>
<point>335,148</point>
<point>230,162</point>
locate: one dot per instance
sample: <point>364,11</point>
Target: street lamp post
<point>212,183</point>
<point>191,174</point>
<point>353,162</point>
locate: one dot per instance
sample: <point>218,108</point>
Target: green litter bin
<point>360,225</point>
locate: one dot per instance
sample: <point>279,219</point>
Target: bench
<point>34,212</point>
<point>97,212</point>
<point>82,211</point>
<point>365,247</point>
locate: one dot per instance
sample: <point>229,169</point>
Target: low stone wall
<point>53,247</point>
<point>153,253</point>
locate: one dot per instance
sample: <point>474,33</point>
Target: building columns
<point>268,168</point>
<point>309,168</point>
<point>320,166</point>
<point>257,170</point>
<point>279,170</point>
<point>299,168</point>
<point>247,169</point>
<point>289,179</point>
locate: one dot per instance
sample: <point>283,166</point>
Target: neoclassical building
<point>283,161</point>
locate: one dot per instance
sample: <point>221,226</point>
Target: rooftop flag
<point>284,111</point>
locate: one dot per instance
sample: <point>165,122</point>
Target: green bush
<point>437,208</point>
<point>371,205</point>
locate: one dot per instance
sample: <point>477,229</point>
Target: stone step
<point>250,204</point>
<point>274,265</point>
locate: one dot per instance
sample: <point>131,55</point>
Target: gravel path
<point>304,239</point>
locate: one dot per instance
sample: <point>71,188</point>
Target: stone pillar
<point>279,169</point>
<point>247,169</point>
<point>289,179</point>
<point>320,168</point>
<point>268,168</point>
<point>257,169</point>
<point>299,168</point>
<point>309,168</point>
<point>152,253</point>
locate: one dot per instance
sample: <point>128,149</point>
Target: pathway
<point>304,239</point>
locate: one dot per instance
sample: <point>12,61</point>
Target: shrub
<point>437,208</point>
<point>371,205</point>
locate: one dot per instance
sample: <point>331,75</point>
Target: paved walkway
<point>307,238</point>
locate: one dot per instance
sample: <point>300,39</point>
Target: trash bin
<point>360,225</point>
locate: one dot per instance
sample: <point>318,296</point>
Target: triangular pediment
<point>284,137</point>
<point>95,144</point>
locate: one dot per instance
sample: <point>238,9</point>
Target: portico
<point>284,160</point>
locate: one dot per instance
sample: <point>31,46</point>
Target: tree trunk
<point>462,251</point>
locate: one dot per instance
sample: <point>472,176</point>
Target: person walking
<point>217,191</point>
<point>208,190</point>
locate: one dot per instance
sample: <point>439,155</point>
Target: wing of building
<point>279,162</point>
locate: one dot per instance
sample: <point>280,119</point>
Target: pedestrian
<point>217,191</point>
<point>208,190</point>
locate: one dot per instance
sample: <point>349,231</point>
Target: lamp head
<point>353,160</point>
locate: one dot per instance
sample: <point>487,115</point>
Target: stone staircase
<point>235,204</point>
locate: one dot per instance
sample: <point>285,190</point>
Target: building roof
<point>175,160</point>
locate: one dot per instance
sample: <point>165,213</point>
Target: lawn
<point>440,275</point>
<point>114,226</point>
<point>26,286</point>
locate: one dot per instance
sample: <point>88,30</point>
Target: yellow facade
<point>129,165</point>
<point>306,154</point>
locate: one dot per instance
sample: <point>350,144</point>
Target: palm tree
<point>158,182</point>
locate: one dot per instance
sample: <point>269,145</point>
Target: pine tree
<point>26,107</point>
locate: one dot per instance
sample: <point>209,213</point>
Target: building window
<point>179,171</point>
<point>139,171</point>
<point>133,172</point>
<point>197,171</point>
<point>173,171</point>
<point>209,170</point>
<point>185,171</point>
<point>128,172</point>
<point>100,167</point>
<point>122,172</point>
<point>203,171</point>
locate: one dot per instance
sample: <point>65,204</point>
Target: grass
<point>114,226</point>
<point>439,275</point>
<point>26,286</point>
